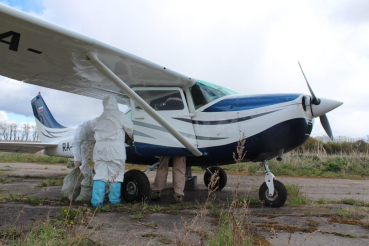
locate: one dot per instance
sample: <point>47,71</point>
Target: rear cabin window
<point>161,100</point>
<point>204,92</point>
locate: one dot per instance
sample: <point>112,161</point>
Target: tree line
<point>11,131</point>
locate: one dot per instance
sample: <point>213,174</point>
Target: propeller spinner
<point>319,107</point>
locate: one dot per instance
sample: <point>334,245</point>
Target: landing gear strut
<point>272,192</point>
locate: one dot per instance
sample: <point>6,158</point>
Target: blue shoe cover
<point>114,193</point>
<point>98,192</point>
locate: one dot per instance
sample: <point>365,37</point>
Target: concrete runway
<point>284,226</point>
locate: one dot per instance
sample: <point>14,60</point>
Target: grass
<point>322,165</point>
<point>50,182</point>
<point>353,165</point>
<point>295,197</point>
<point>165,240</point>
<point>343,201</point>
<point>7,181</point>
<point>225,234</point>
<point>138,216</point>
<point>16,197</point>
<point>59,231</point>
<point>44,234</point>
<point>33,158</point>
<point>353,213</point>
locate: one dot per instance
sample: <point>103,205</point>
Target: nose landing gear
<point>272,192</point>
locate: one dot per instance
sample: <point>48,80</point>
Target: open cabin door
<point>151,139</point>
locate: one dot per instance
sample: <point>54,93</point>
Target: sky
<point>248,46</point>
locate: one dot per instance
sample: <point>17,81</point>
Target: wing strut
<point>92,57</point>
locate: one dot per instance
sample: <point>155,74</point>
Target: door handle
<point>140,118</point>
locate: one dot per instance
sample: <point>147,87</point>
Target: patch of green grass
<point>34,158</point>
<point>296,164</point>
<point>150,234</point>
<point>250,201</point>
<point>228,234</point>
<point>105,208</point>
<point>70,216</point>
<point>10,197</point>
<point>312,223</point>
<point>138,216</point>
<point>155,208</point>
<point>16,197</point>
<point>4,180</point>
<point>353,213</point>
<point>295,197</point>
<point>50,182</point>
<point>165,240</point>
<point>44,234</point>
<point>343,201</point>
<point>352,236</point>
<point>27,176</point>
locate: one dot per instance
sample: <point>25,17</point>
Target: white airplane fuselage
<point>269,123</point>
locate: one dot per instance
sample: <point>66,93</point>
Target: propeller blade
<point>315,100</point>
<point>326,126</point>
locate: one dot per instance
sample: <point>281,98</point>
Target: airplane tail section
<point>49,129</point>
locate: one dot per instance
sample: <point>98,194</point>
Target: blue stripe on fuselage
<point>239,103</point>
<point>263,146</point>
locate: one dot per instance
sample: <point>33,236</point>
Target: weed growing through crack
<point>50,182</point>
<point>354,212</point>
<point>4,180</point>
<point>295,197</point>
<point>233,224</point>
<point>138,216</point>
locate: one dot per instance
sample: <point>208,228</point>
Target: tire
<point>135,187</point>
<point>279,197</point>
<point>221,183</point>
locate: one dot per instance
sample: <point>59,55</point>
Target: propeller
<point>319,107</point>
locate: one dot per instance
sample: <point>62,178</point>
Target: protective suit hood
<point>110,102</point>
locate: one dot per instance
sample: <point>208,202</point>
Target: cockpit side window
<point>204,92</point>
<point>161,100</point>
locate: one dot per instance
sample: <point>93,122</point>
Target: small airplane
<point>173,114</point>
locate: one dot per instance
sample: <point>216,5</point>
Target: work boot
<point>177,199</point>
<point>155,195</point>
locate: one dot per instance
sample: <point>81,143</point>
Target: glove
<point>129,141</point>
<point>77,164</point>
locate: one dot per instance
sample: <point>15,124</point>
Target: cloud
<point>3,116</point>
<point>248,46</point>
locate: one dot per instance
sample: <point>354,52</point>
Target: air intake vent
<point>309,128</point>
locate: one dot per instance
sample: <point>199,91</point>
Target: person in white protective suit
<point>109,152</point>
<point>83,145</point>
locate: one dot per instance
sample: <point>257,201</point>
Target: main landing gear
<point>220,183</point>
<point>272,192</point>
<point>136,185</point>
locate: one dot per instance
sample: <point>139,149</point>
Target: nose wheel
<point>277,199</point>
<point>272,192</point>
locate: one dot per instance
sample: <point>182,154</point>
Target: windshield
<point>204,92</point>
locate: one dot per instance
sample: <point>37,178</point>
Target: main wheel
<point>135,186</point>
<point>279,197</point>
<point>221,183</point>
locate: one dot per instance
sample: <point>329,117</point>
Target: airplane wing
<point>40,53</point>
<point>22,147</point>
